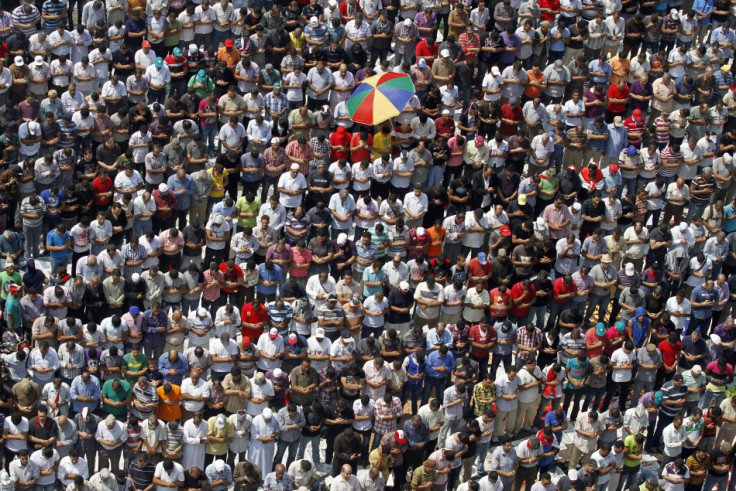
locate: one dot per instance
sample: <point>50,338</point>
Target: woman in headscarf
<point>34,278</point>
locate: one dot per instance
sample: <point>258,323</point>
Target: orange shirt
<point>435,236</point>
<point>534,90</point>
<point>169,412</point>
<point>232,57</point>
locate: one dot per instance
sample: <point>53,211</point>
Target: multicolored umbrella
<point>380,97</point>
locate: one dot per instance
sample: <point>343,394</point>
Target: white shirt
<point>200,389</point>
<point>177,474</point>
<point>621,359</point>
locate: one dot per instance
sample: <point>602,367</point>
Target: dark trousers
<point>110,458</point>
<point>574,396</point>
<point>436,383</point>
<point>281,449</point>
<point>593,397</point>
<point>662,421</point>
<point>496,361</point>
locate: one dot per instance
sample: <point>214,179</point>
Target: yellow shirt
<point>218,183</point>
<point>297,42</point>
<point>383,467</point>
<point>219,448</point>
<point>381,144</point>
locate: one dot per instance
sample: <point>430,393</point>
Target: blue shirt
<point>433,339</point>
<point>595,66</point>
<point>558,45</point>
<point>416,436</point>
<point>729,224</point>
<point>184,200</point>
<point>372,276</point>
<point>577,371</point>
<point>434,360</point>
<point>704,7</point>
<point>700,294</point>
<point>617,141</point>
<point>54,239</point>
<point>598,145</point>
<point>226,474</point>
<point>90,389</point>
<point>611,181</point>
<point>550,420</point>
<point>266,275</point>
<point>180,365</point>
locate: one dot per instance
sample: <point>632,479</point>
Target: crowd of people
<point>524,280</point>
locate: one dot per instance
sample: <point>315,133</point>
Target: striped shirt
<point>366,253</point>
<point>663,130</point>
<point>50,8</point>
<point>147,395</point>
<point>67,131</point>
<point>669,156</point>
<point>173,439</point>
<point>133,437</point>
<point>698,184</point>
<point>275,104</point>
<point>142,477</point>
<point>278,316</point>
<point>20,17</point>
<point>379,240</point>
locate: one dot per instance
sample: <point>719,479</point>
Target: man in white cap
<point>219,475</point>
<point>291,185</point>
<point>200,325</point>
<point>263,435</point>
<point>218,236</point>
<point>318,350</point>
<point>111,434</point>
<point>443,70</point>
<point>406,35</point>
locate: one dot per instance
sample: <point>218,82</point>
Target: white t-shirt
<point>621,359</point>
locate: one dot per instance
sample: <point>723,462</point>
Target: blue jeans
<point>208,134</point>
<point>142,227</point>
<point>538,311</point>
<point>435,177</point>
<point>593,397</point>
<point>628,476</point>
<point>709,396</point>
<point>58,262</point>
<point>314,440</point>
<point>695,210</point>
<point>433,383</point>
<point>711,481</point>
<point>413,389</point>
<point>481,449</point>
<point>189,305</point>
<point>33,236</point>
<point>219,37</point>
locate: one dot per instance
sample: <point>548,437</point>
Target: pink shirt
<point>304,257</point>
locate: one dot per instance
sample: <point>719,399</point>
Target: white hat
<point>294,166</point>
<point>629,269</point>
<point>445,112</point>
<point>696,369</point>
<point>445,53</point>
<point>85,412</point>
<point>540,221</point>
<point>39,60</point>
<point>4,477</point>
<point>135,277</point>
<point>319,333</point>
<point>674,14</point>
<point>404,285</point>
<point>220,422</point>
<point>218,219</point>
<point>275,140</point>
<point>342,239</point>
<point>193,48</point>
<point>577,206</point>
<point>105,473</point>
<point>683,226</point>
<point>19,61</point>
<point>572,474</point>
<point>715,339</point>
<point>277,372</point>
<point>332,3</point>
<point>407,22</point>
<point>202,312</point>
<point>314,21</point>
<point>163,188</point>
<point>219,465</point>
<point>267,413</point>
<point>495,71</point>
<point>727,158</point>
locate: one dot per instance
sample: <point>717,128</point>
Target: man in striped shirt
<point>280,314</point>
<point>25,19</point>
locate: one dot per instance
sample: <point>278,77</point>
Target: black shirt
<point>127,58</point>
<point>400,300</point>
<point>545,287</point>
<point>195,237</point>
<point>194,482</point>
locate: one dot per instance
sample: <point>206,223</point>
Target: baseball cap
<point>293,338</point>
<point>319,333</point>
<point>421,232</point>
<point>674,14</point>
<point>482,258</point>
<point>620,326</point>
<point>228,43</point>
<point>400,436</point>
<point>159,62</point>
<point>39,60</point>
<point>522,199</point>
<point>632,150</point>
<point>600,329</point>
<point>505,230</point>
<point>422,63</point>
<point>202,312</point>
<point>201,75</point>
<point>136,277</point>
<point>13,288</point>
<point>637,115</point>
<point>479,141</point>
<point>606,258</point>
<point>134,311</point>
<point>629,269</point>
<point>345,334</point>
<point>273,333</point>
<point>342,239</point>
<point>193,48</point>
<point>696,369</point>
<point>219,463</point>
<point>502,252</point>
<point>614,168</point>
<point>404,286</point>
<point>618,121</point>
<point>163,188</point>
<point>445,53</point>
<point>495,71</point>
<point>146,43</point>
<point>247,341</point>
<point>177,51</point>
<point>220,421</point>
<point>19,61</point>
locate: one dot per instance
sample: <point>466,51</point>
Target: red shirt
<point>102,184</point>
<point>340,138</point>
<point>612,335</point>
<point>500,300</point>
<point>424,51</point>
<point>615,93</point>
<point>343,8</point>
<point>475,268</point>
<point>559,288</point>
<point>669,352</point>
<point>514,114</point>
<point>253,316</point>
<point>591,338</point>
<point>231,276</point>
<point>363,153</point>
<point>551,5</point>
<point>633,126</point>
<point>518,293</point>
<point>444,127</point>
<point>478,336</point>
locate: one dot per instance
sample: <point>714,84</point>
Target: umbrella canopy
<point>380,97</point>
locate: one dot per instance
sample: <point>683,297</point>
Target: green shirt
<point>5,280</point>
<point>171,40</point>
<point>134,365</point>
<point>119,396</point>
<point>243,206</point>
<point>634,449</point>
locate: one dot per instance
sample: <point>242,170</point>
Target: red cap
<point>228,43</point>
<point>614,168</point>
<point>146,43</point>
<point>505,230</point>
<point>400,436</point>
<point>246,341</point>
<point>637,115</point>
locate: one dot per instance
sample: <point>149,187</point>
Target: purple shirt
<point>647,401</point>
<point>590,96</point>
<point>726,336</point>
<point>637,89</point>
<point>420,21</point>
<point>508,57</point>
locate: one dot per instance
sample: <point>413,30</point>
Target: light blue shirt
<point>180,365</point>
<point>435,360</point>
<point>721,37</point>
<point>266,275</point>
<point>90,389</point>
<point>558,45</point>
<point>184,199</point>
<point>611,181</point>
<point>704,7</point>
<point>595,66</point>
<point>372,276</point>
<point>213,475</point>
<point>433,338</point>
<point>617,141</point>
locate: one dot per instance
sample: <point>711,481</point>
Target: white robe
<point>260,453</point>
<point>193,450</point>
